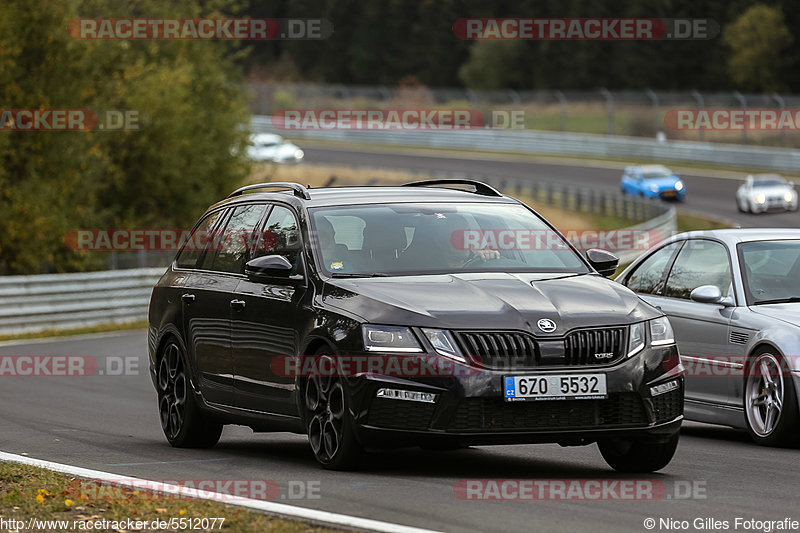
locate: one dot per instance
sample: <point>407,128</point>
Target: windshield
<point>408,239</point>
<point>654,174</point>
<point>769,183</point>
<point>771,271</point>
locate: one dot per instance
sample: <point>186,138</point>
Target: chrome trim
<point>726,364</point>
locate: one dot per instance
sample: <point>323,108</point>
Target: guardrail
<point>37,303</point>
<point>30,304</point>
<point>559,143</point>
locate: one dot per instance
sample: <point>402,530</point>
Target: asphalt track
<point>110,423</point>
<point>705,194</point>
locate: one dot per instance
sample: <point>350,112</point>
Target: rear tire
<point>770,400</point>
<point>183,423</point>
<point>638,456</point>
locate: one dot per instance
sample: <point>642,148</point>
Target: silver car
<point>764,192</point>
<point>733,298</point>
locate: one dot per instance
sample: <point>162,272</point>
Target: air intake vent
<point>739,337</point>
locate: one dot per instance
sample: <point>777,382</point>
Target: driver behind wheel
<point>434,239</point>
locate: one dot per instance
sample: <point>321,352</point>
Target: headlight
<point>788,196</point>
<point>636,339</point>
<point>679,185</point>
<point>389,339</point>
<point>760,198</point>
<point>661,332</point>
<point>298,154</point>
<point>444,343</point>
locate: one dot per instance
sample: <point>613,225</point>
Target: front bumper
<point>471,410</point>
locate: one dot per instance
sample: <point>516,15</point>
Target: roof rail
<point>298,189</point>
<point>480,187</point>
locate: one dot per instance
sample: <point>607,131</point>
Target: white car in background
<point>764,192</point>
<point>272,147</point>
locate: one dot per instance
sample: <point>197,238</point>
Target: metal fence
<point>601,111</point>
<point>69,301</point>
<point>557,143</point>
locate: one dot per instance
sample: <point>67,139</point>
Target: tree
<point>189,154</point>
<point>758,40</point>
<point>494,65</point>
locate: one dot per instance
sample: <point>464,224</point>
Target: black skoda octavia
<point>439,314</point>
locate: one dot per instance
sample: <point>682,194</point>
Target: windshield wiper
<point>357,275</point>
<point>788,300</point>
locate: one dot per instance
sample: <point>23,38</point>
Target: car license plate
<point>669,193</point>
<point>555,387</point>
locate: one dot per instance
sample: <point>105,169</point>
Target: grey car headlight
<point>444,344</point>
<point>389,339</point>
<point>661,333</point>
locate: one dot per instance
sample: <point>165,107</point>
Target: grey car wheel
<point>770,403</point>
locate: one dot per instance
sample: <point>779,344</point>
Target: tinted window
<point>233,242</point>
<point>699,263</point>
<point>647,277</point>
<point>281,237</point>
<point>771,270</point>
<point>199,241</point>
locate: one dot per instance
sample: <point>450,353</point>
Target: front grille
<point>399,414</point>
<point>517,349</point>
<point>495,414</point>
<point>669,405</point>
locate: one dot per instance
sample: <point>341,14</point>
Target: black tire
<point>330,425</point>
<point>183,423</point>
<point>760,399</point>
<point>638,456</point>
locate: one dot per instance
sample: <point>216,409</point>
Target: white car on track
<point>765,192</point>
<point>272,147</point>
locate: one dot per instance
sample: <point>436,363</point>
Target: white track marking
<point>290,511</point>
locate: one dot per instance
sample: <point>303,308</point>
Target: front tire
<point>770,401</point>
<point>329,423</point>
<point>182,421</point>
<point>633,456</point>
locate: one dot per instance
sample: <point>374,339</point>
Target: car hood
<point>772,191</point>
<point>788,312</point>
<point>662,183</point>
<point>488,301</point>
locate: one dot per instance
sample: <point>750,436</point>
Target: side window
<point>699,263</point>
<point>233,242</point>
<point>646,278</point>
<point>199,241</point>
<point>281,236</point>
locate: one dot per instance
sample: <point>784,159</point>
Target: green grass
<point>31,492</point>
<point>697,223</point>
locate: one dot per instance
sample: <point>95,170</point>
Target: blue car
<point>653,181</point>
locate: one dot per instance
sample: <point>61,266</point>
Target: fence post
<point>743,102</point>
<point>700,105</point>
<point>562,100</point>
<point>782,103</point>
<point>654,98</point>
<point>610,108</point>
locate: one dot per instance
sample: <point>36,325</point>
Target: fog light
<point>664,388</point>
<point>408,395</point>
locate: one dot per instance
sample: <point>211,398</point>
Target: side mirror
<point>268,267</point>
<point>706,294</point>
<point>603,261</point>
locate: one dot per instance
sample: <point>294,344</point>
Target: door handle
<point>238,304</point>
<point>188,297</point>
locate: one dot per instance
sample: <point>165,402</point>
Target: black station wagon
<point>439,314</point>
